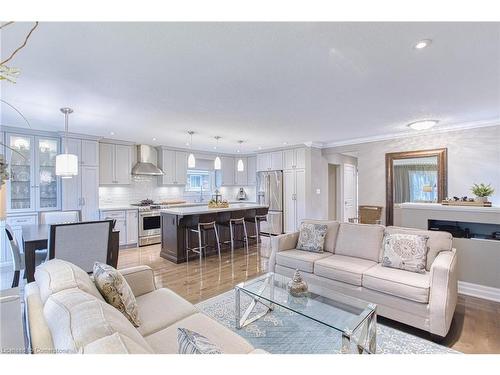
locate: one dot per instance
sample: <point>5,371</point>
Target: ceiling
<point>264,83</point>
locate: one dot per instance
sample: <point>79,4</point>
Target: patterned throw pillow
<point>405,251</point>
<point>312,237</point>
<point>116,291</point>
<point>193,343</point>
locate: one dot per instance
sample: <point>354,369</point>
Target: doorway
<point>350,192</point>
<point>333,191</point>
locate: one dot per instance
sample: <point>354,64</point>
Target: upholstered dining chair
<point>18,256</point>
<point>59,217</point>
<point>81,243</point>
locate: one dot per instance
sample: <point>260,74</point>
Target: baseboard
<point>479,291</point>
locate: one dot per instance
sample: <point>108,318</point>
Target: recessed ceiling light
<point>423,124</point>
<point>260,147</point>
<point>187,143</point>
<point>285,143</point>
<point>111,133</point>
<point>154,139</point>
<point>423,43</point>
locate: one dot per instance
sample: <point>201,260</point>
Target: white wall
<point>473,157</point>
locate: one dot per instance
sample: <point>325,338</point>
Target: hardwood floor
<point>475,327</point>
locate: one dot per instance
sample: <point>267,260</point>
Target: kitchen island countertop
<point>199,210</point>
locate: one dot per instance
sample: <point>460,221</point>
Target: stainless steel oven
<point>149,228</point>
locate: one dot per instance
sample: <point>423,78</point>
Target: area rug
<point>284,332</point>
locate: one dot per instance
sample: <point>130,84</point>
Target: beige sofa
<point>351,265</point>
<point>66,314</point>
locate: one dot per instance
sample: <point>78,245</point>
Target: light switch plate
<point>318,191</point>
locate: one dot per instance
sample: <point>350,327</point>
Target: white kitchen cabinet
<point>228,170</point>
<point>127,223</point>
<point>294,198</point>
<point>294,158</point>
<point>81,192</point>
<point>115,164</point>
<point>174,165</point>
<point>270,161</point>
<point>251,170</point>
<point>241,177</point>
<point>33,184</point>
<point>132,227</point>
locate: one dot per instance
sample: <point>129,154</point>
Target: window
<point>198,180</point>
<point>423,186</point>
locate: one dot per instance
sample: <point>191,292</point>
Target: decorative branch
<point>21,46</point>
<point>18,111</point>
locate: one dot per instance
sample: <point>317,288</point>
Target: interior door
<point>300,197</point>
<point>350,192</point>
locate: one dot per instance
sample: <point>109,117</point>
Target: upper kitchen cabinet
<point>228,170</point>
<point>241,177</point>
<point>33,185</point>
<point>115,164</point>
<point>174,166</point>
<point>294,158</point>
<point>270,161</point>
<point>89,153</point>
<point>251,170</point>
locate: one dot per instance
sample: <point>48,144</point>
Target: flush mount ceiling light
<point>422,43</point>
<point>423,124</point>
<point>66,164</point>
<point>191,158</point>
<point>217,162</point>
<point>240,166</point>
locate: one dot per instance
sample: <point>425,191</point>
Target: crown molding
<point>411,134</point>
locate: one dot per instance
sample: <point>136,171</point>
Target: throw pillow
<point>405,251</point>
<point>116,291</point>
<point>193,343</point>
<point>312,237</point>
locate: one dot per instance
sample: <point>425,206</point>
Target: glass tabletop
<point>338,311</point>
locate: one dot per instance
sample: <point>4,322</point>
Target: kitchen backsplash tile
<point>144,187</point>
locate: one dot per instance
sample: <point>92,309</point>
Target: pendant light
<point>66,164</point>
<point>217,162</point>
<point>191,158</point>
<point>241,166</point>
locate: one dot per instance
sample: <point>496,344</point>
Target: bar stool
<point>233,219</point>
<point>200,225</point>
<point>256,217</point>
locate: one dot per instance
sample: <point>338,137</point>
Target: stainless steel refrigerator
<point>270,192</point>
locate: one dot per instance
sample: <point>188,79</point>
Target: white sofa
<point>351,264</point>
<point>66,314</point>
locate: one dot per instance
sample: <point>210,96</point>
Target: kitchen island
<point>173,229</point>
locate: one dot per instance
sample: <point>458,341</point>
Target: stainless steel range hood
<point>147,158</point>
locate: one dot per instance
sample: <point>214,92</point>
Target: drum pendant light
<point>66,164</point>
<point>191,158</point>
<point>217,161</point>
<point>240,165</point>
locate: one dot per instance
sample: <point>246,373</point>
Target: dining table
<point>36,237</point>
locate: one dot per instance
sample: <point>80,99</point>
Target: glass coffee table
<point>354,319</point>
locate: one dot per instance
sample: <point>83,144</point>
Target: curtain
<point>409,182</point>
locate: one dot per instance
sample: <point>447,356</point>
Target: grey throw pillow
<point>405,251</point>
<point>193,343</point>
<point>312,237</point>
<point>116,291</point>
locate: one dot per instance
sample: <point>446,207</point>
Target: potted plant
<point>482,192</point>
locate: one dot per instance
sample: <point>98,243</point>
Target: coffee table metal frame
<point>365,325</point>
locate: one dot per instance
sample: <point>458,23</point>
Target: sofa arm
<point>279,243</point>
<point>443,292</point>
<point>140,279</point>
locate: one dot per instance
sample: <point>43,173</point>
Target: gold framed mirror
<point>415,176</point>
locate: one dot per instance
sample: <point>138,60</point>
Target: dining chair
<point>18,256</point>
<point>59,217</point>
<point>82,243</point>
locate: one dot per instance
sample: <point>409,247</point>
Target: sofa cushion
<point>331,232</point>
<point>161,308</point>
<point>405,251</point>
<point>360,241</point>
<point>437,242</point>
<point>312,237</point>
<point>114,344</point>
<point>76,318</point>
<point>116,291</point>
<point>400,283</point>
<point>191,342</point>
<point>342,268</point>
<point>303,260</point>
<point>165,341</point>
<point>56,275</point>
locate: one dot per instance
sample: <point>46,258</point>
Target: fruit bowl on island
<point>221,204</point>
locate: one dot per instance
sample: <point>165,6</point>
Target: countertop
<point>198,210</point>
<point>125,207</point>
